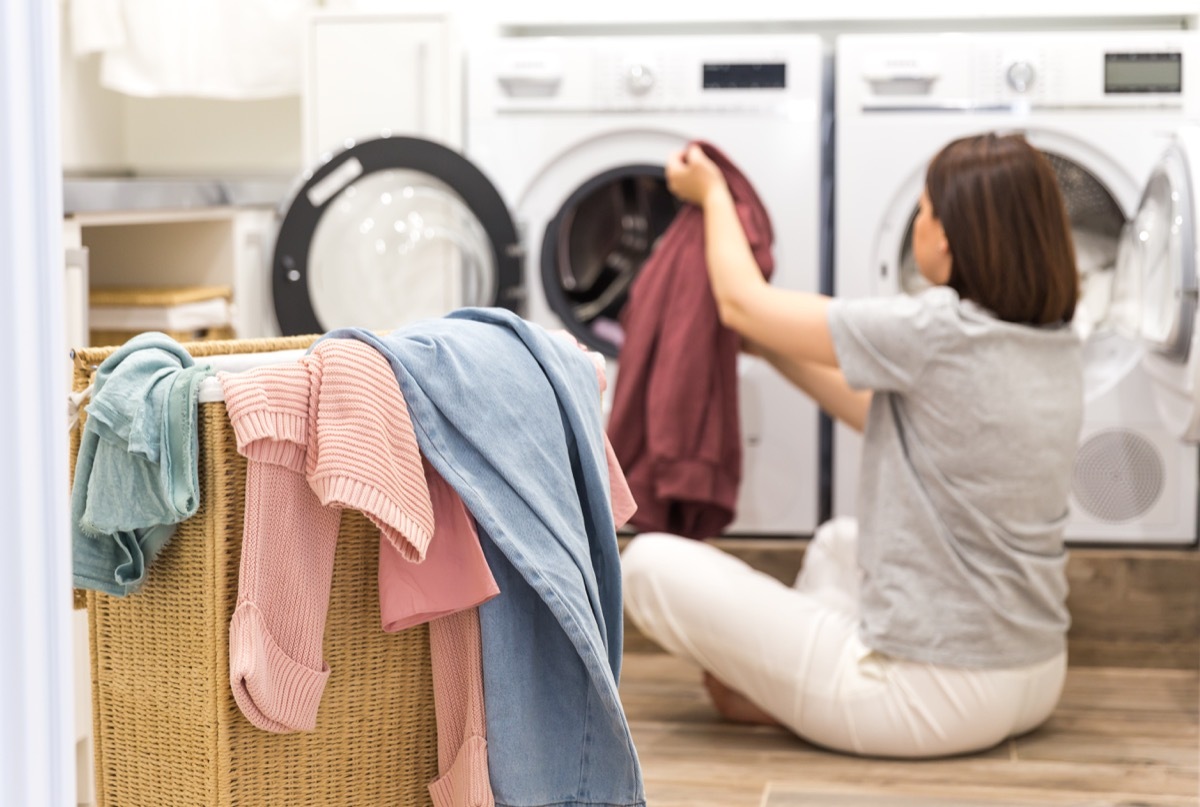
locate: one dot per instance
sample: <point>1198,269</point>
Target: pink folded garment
<point>623,504</point>
<point>453,576</point>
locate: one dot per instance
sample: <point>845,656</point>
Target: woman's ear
<point>943,243</point>
<point>943,250</point>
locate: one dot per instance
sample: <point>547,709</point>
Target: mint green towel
<point>135,476</point>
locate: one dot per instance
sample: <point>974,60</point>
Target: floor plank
<point>793,796</point>
<point>1121,736</point>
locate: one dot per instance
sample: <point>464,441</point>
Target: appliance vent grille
<point>1119,475</point>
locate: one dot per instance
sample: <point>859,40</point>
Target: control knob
<point>639,79</point>
<point>1020,76</point>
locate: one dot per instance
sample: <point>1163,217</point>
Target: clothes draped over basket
<point>510,416</point>
<point>674,423</point>
<point>135,474</point>
<point>300,426</point>
<point>474,444</point>
<point>328,432</point>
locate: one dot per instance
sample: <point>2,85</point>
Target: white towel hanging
<point>229,49</point>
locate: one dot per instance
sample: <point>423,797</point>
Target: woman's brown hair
<point>1007,228</point>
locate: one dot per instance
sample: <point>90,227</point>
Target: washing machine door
<point>389,231</point>
<point>1154,301</point>
<point>595,246</point>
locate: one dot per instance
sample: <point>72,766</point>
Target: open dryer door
<point>389,231</point>
<point>1154,300</point>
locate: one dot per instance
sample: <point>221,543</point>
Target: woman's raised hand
<point>692,176</point>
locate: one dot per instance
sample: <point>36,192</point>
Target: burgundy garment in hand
<point>674,422</point>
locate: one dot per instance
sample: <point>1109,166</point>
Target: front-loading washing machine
<point>1104,107</point>
<point>559,199</point>
<point>575,131</point>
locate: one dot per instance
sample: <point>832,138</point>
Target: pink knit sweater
<point>333,431</point>
<point>329,432</point>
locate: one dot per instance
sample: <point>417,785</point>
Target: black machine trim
<point>289,267</point>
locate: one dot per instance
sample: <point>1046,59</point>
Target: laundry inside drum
<point>1096,223</point>
<point>603,238</point>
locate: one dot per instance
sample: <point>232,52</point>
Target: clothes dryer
<point>1105,107</point>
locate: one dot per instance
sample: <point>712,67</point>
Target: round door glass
<point>596,246</point>
<point>394,247</point>
<point>1151,300</point>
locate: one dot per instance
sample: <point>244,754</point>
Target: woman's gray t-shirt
<point>966,467</point>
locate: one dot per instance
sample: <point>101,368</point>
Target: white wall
<point>669,15</point>
<point>206,136</point>
<point>104,131</point>
<point>93,122</point>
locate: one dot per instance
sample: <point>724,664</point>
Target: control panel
<point>1060,71</point>
<point>745,73</point>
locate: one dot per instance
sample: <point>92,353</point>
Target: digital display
<point>1143,72</point>
<point>745,76</point>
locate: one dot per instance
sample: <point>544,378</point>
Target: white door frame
<point>37,761</point>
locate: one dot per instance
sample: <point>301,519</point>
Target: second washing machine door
<point>1154,301</point>
<point>389,231</point>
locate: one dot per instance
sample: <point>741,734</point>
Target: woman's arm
<point>825,385</point>
<point>792,324</point>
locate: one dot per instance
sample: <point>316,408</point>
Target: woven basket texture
<point>166,728</point>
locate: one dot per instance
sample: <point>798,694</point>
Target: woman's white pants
<point>796,654</point>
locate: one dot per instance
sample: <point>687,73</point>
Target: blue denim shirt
<point>510,417</point>
<point>135,474</point>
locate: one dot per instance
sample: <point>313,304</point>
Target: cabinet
<point>366,73</point>
<point>211,246</point>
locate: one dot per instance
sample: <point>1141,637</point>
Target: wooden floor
<point>1121,736</point>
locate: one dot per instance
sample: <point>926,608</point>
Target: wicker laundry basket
<point>167,730</point>
<point>135,297</point>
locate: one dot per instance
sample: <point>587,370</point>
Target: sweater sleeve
<point>363,453</point>
<point>456,648</point>
<point>276,669</point>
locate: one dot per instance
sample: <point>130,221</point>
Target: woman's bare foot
<point>733,705</point>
